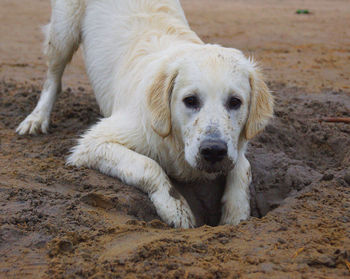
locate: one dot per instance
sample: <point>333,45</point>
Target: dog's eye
<point>234,103</point>
<point>191,102</point>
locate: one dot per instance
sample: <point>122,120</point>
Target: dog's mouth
<point>222,167</point>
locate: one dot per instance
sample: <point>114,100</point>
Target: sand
<point>62,222</point>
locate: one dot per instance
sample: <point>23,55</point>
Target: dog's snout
<point>213,150</point>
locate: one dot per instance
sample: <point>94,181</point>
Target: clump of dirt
<point>58,221</point>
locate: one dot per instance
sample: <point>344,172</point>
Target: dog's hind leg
<point>62,39</point>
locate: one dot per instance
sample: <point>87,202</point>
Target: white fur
<point>127,44</point>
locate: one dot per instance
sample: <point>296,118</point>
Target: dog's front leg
<point>100,150</point>
<point>236,206</point>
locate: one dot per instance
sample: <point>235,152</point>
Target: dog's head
<point>213,99</point>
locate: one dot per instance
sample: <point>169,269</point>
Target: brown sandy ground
<point>61,222</point>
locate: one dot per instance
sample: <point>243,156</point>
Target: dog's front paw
<point>174,210</point>
<point>33,124</point>
<point>233,212</point>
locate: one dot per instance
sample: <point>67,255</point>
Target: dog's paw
<point>233,214</point>
<point>33,124</point>
<point>175,211</point>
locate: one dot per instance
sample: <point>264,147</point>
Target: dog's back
<point>129,30</point>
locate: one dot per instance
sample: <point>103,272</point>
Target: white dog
<point>172,105</point>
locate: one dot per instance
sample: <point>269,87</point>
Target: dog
<point>172,106</point>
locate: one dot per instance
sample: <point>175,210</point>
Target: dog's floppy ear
<point>158,101</point>
<point>261,105</point>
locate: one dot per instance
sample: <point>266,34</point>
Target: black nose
<point>213,150</point>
